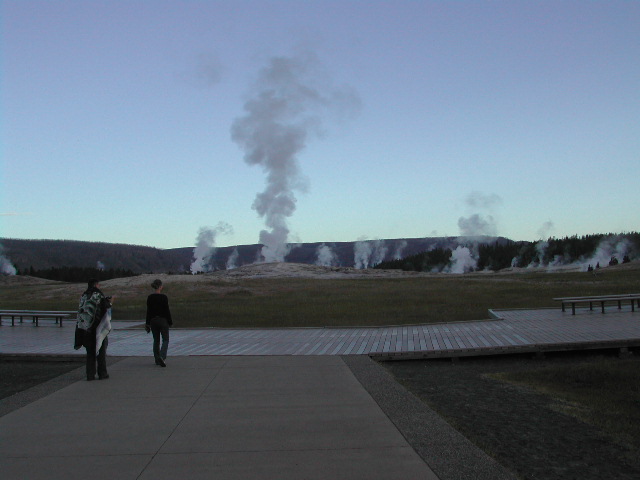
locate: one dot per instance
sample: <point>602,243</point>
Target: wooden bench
<point>602,299</point>
<point>36,315</point>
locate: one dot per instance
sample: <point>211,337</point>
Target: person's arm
<point>147,322</point>
<point>168,312</point>
<point>149,306</point>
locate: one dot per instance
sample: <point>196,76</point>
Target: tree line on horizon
<point>500,255</point>
<point>76,274</point>
<point>68,260</point>
<point>62,259</point>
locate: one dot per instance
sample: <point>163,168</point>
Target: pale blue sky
<point>522,116</point>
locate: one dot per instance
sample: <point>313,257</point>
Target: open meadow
<point>295,295</point>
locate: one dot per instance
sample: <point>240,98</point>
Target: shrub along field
<point>222,300</point>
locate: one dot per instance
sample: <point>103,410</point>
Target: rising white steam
<point>545,230</point>
<point>361,254</point>
<point>477,225</point>
<point>609,247</point>
<point>232,261</point>
<point>206,246</point>
<point>481,222</point>
<point>6,267</point>
<point>462,261</point>
<point>400,246</point>
<point>286,108</point>
<point>369,253</point>
<point>380,250</point>
<point>541,252</point>
<point>613,246</point>
<point>326,257</point>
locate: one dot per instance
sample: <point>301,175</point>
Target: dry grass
<point>226,300</point>
<point>605,394</point>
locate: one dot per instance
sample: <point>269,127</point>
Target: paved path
<point>269,404</point>
<point>209,417</point>
<point>515,330</point>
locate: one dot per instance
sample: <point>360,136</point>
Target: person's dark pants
<point>160,328</point>
<point>92,358</point>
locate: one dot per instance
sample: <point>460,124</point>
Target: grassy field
<point>604,393</point>
<point>309,302</point>
<point>571,415</point>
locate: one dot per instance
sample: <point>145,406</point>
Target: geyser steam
<point>6,267</point>
<point>206,246</point>
<point>326,257</point>
<point>283,111</point>
<point>481,222</point>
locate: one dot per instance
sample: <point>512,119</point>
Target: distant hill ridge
<point>45,254</point>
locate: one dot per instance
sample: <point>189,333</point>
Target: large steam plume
<point>462,261</point>
<point>285,109</point>
<point>206,246</point>
<point>482,221</point>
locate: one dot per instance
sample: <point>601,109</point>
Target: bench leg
<point>563,307</point>
<point>590,305</point>
<point>573,309</point>
<point>619,304</point>
<point>602,303</point>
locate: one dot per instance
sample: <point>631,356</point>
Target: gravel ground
<point>521,429</point>
<point>449,454</point>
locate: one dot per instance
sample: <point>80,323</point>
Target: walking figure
<point>158,321</point>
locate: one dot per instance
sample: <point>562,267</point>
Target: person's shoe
<point>161,362</point>
<point>157,362</point>
<point>90,379</point>
<point>103,377</point>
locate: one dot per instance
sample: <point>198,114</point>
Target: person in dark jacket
<point>92,328</point>
<point>158,321</point>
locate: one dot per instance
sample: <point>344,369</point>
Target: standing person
<point>158,321</point>
<point>92,327</point>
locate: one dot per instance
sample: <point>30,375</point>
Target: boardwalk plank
<point>515,330</point>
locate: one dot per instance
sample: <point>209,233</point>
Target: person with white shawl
<point>92,327</point>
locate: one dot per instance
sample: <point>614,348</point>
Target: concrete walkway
<point>209,417</point>
<point>268,404</point>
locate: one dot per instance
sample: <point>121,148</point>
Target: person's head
<point>93,283</point>
<point>156,284</point>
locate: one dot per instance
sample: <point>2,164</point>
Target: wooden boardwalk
<point>511,331</point>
